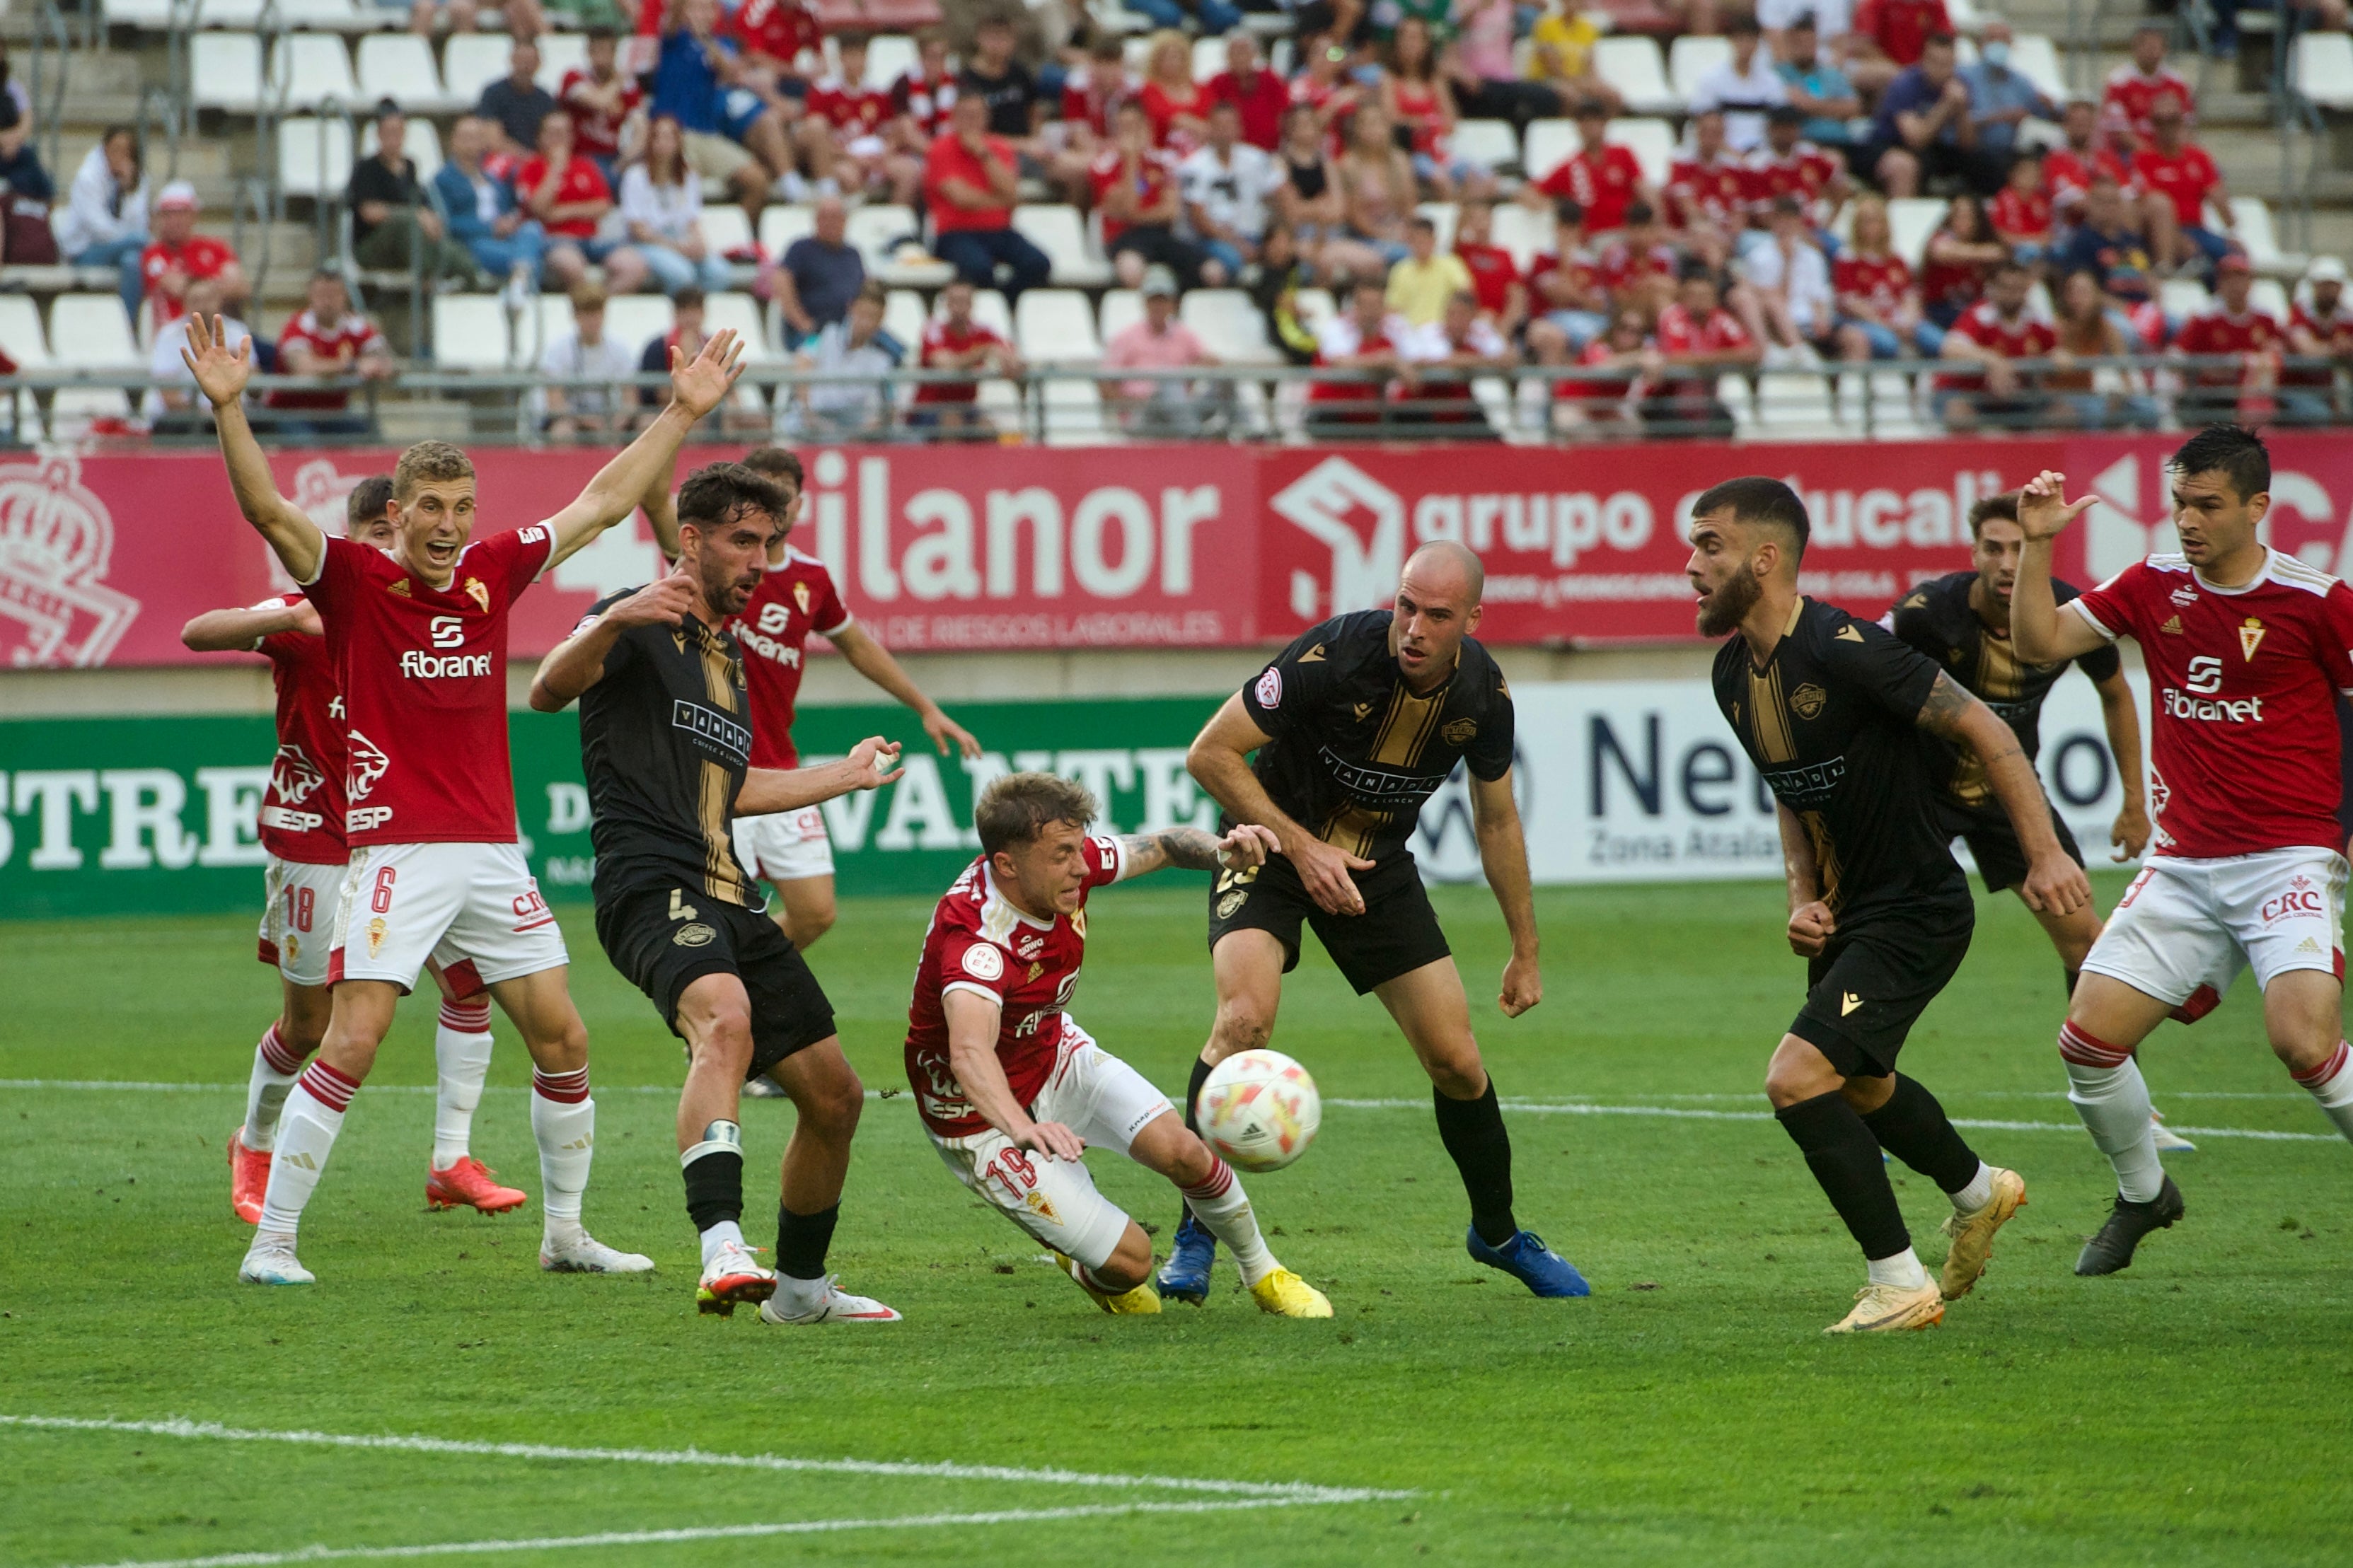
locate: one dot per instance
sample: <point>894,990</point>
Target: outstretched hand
<point>220,375</point>
<point>872,762</point>
<point>2041,511</point>
<point>701,383</point>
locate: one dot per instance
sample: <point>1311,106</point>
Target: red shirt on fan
<point>924,101</point>
<point>980,943</point>
<point>302,808</point>
<point>2067,177</point>
<point>1677,333</point>
<point>2213,331</point>
<point>1261,104</point>
<point>2015,216</point>
<point>1580,271</point>
<point>353,335</point>
<point>1621,266</point>
<point>1598,352</point>
<point>1717,192</point>
<point>2182,177</point>
<point>202,257</point>
<point>1806,174</point>
<point>1162,106</point>
<point>596,130</point>
<point>2129,96</point>
<point>2243,693</point>
<point>949,158</point>
<point>1492,273</point>
<point>852,112</point>
<point>1900,27</point>
<point>773,628</point>
<point>779,29</point>
<point>1340,338</point>
<point>2025,336</point>
<point>1600,180</point>
<point>1883,282</point>
<point>1155,174</point>
<point>424,677</point>
<point>2336,335</point>
<point>1081,104</point>
<point>580,181</point>
<point>940,338</point>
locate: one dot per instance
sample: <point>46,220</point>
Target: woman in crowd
<point>1179,106</point>
<point>1421,103</point>
<point>1962,254</point>
<point>1377,188</point>
<point>105,220</point>
<point>2087,331</point>
<point>661,208</point>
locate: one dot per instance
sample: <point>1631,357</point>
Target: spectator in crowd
<point>105,220</point>
<point>687,334</point>
<point>1708,191</point>
<point>567,194</point>
<point>820,274</point>
<point>1744,89</point>
<point>328,340</point>
<point>1701,339</point>
<point>1639,263</point>
<point>844,138</point>
<point>607,105</point>
<point>1819,92</point>
<point>394,224</point>
<point>1258,94</point>
<point>1135,185</point>
<point>1090,97</point>
<point>2133,88</point>
<point>1324,85</point>
<point>1495,278</point>
<point>15,110</point>
<point>1925,128</point>
<point>1226,184</point>
<point>1892,36</point>
<point>1159,341</point>
<point>2068,168</point>
<point>483,216</point>
<point>1421,105</point>
<point>925,91</point>
<point>2020,213</point>
<point>1566,293</point>
<point>1274,289</point>
<point>733,134</point>
<point>523,18</point>
<point>1487,82</point>
<point>1604,405</point>
<point>1014,104</point>
<point>2230,327</point>
<point>662,213</point>
<point>1960,258</point>
<point>1991,336</point>
<point>770,39</point>
<point>1603,178</point>
<point>1876,299</point>
<point>1214,17</point>
<point>2106,235</point>
<point>2085,327</point>
<point>2320,327</point>
<point>1438,361</point>
<point>1421,281</point>
<point>2001,98</point>
<point>1789,281</point>
<point>971,182</point>
<point>1377,187</point>
<point>1363,337</point>
<point>26,193</point>
<point>516,104</point>
<point>1308,203</point>
<point>1560,56</point>
<point>1790,166</point>
<point>954,341</point>
<point>1176,105</point>
<point>854,345</point>
<point>2182,182</point>
<point>179,256</point>
<point>592,412</point>
<point>178,409</point>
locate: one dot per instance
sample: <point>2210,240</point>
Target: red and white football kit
<point>2067,174</point>
<point>1717,192</point>
<point>781,30</point>
<point>598,131</point>
<point>941,338</point>
<point>1807,173</point>
<point>340,343</point>
<point>2130,97</point>
<point>2212,330</point>
<point>857,113</point>
<point>773,629</point>
<point>980,943</point>
<point>1156,174</point>
<point>2244,778</point>
<point>302,807</point>
<point>429,792</point>
<point>1492,273</point>
<point>2023,336</point>
<point>1604,181</point>
<point>1883,282</point>
<point>2183,178</point>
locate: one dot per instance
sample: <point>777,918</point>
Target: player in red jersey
<point>302,824</point>
<point>955,340</point>
<point>1011,1091</point>
<point>2230,327</point>
<point>418,639</point>
<point>2247,651</point>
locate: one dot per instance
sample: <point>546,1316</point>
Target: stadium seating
<point>742,313</point>
<point>902,318</point>
<point>1062,234</point>
<point>725,229</point>
<point>1552,142</point>
<point>1632,65</point>
<point>315,156</point>
<point>1119,309</point>
<point>469,333</point>
<point>471,61</point>
<point>1490,143</point>
<point>311,71</point>
<point>888,56</point>
<point>420,141</point>
<point>1055,326</point>
<point>1549,144</point>
<point>1229,324</point>
<point>23,340</point>
<point>1691,57</point>
<point>1523,231</point>
<point>2322,69</point>
<point>400,67</point>
<point>559,53</point>
<point>780,225</point>
<point>225,71</point>
<point>2036,57</point>
<point>90,332</point>
<point>1911,221</point>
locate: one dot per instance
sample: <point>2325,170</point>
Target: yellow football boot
<point>1286,1294</point>
<point>1973,1235</point>
<point>1887,1309</point>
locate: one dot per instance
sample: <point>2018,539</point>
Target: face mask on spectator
<point>1996,54</point>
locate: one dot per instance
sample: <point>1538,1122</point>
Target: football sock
<point>714,1171</point>
<point>719,1236</point>
<point>2110,1095</point>
<point>1914,1129</point>
<point>803,1240</point>
<point>1220,1203</point>
<point>306,1135</point>
<point>1845,1158</point>
<point>563,1123</point>
<point>1978,1193</point>
<point>275,1067</point>
<point>1903,1270</point>
<point>2331,1083</point>
<point>1193,1087</point>
<point>1472,1131</point>
<point>461,1049</point>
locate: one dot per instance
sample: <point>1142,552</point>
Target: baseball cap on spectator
<point>180,195</point>
<point>1159,281</point>
<point>2324,270</point>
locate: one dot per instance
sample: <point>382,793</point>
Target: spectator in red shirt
<point>2020,210</point>
<point>2182,182</point>
<point>844,135</point>
<point>1888,36</point>
<point>1700,337</point>
<point>971,182</point>
<point>565,190</point>
<point>607,107</point>
<point>1603,406</point>
<point>1640,265</point>
<point>954,341</point>
<point>328,339</point>
<point>1990,334</point>
<point>1258,92</point>
<point>2318,327</point>
<point>1603,178</point>
<point>1874,290</point>
<point>1494,275</point>
<point>2068,169</point>
<point>2229,326</point>
<point>1092,96</point>
<point>924,94</point>
<point>1135,190</point>
<point>1364,337</point>
<point>2133,88</point>
<point>1961,256</point>
<point>1176,105</point>
<point>773,36</point>
<point>1564,287</point>
<point>178,256</point>
<point>1708,193</point>
<point>1790,166</point>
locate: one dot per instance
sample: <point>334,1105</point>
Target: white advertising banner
<point>1644,781</point>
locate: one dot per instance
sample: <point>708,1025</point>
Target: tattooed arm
<point>1190,849</point>
<point>2054,884</point>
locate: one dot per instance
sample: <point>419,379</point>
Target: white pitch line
<point>702,1532</point>
<point>1299,1491</point>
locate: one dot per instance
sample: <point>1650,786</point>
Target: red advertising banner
<point>941,548</point>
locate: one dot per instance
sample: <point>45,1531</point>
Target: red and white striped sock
<point>2331,1083</point>
<point>564,1121</point>
<point>275,1064</point>
<point>306,1136</point>
<point>461,1052</point>
<point>2104,1083</point>
<point>1220,1203</point>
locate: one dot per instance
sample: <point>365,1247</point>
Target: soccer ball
<point>1260,1109</point>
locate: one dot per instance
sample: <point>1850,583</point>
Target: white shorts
<point>784,846</point>
<point>2187,924</point>
<point>1096,1096</point>
<point>298,918</point>
<point>404,903</point>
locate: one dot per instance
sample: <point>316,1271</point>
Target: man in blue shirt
<point>1817,89</point>
<point>2000,99</point>
<point>731,132</point>
<point>1925,128</point>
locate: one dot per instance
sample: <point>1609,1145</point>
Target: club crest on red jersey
<point>2251,638</point>
<point>801,597</point>
<point>480,593</point>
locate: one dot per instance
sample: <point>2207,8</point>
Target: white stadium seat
<point>780,225</point>
<point>888,56</point>
<point>154,15</point>
<point>725,229</point>
<point>1524,231</point>
<point>636,319</point>
<point>872,230</point>
<point>559,53</point>
<point>2034,57</point>
<point>1490,143</point>
<point>2182,296</point>
<point>469,333</point>
<point>22,338</point>
<point>549,318</point>
<point>241,16</point>
<point>741,312</point>
<point>1652,143</point>
<point>471,61</point>
<point>225,71</point>
<point>1062,234</point>
<point>1548,144</point>
<point>90,332</point>
<point>902,318</point>
<point>1632,65</point>
<point>1691,57</point>
<point>1121,308</point>
<point>399,66</point>
<point>2269,295</point>
<point>314,156</point>
<point>2322,69</point>
<point>1055,326</point>
<point>1209,58</point>
<point>314,71</point>
<point>1910,221</point>
<point>326,15</point>
<point>1229,324</point>
<point>1073,411</point>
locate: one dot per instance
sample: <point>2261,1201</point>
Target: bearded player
<point>418,636</point>
<point>1012,1091</point>
<point>302,824</point>
<point>2247,649</point>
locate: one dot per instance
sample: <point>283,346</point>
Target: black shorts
<point>1876,978</point>
<point>1396,934</point>
<point>663,953</point>
<point>1994,843</point>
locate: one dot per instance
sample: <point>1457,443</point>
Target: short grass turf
<point>2190,1411</point>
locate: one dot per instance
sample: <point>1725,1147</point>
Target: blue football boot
<point>1527,1259</point>
<point>1186,1275</point>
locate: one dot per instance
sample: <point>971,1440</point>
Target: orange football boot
<point>468,1184</point>
<point>249,1177</point>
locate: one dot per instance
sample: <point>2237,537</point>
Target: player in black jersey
<point>1355,724</point>
<point>666,740</point>
<point>1835,713</point>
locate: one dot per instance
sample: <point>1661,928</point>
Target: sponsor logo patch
<point>693,934</point>
<point>2184,595</point>
<point>1850,633</point>
<point>1231,902</point>
<point>1848,1002</point>
<point>1270,687</point>
<point>1313,656</point>
<point>400,587</point>
<point>2172,627</point>
<point>1460,733</point>
<point>983,961</point>
<point>1808,700</point>
<point>801,597</point>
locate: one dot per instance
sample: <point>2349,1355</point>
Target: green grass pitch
<point>2193,1410</point>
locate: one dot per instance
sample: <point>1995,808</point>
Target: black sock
<point>715,1187</point>
<point>803,1240</point>
<point>1913,1127</point>
<point>1472,1131</point>
<point>1200,1077</point>
<point>1845,1158</point>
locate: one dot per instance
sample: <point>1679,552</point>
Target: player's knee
<point>727,1036</point>
<point>1244,1024</point>
<point>1129,1265</point>
<point>1192,1163</point>
<point>564,1048</point>
<point>813,921</point>
<point>1458,1076</point>
<point>835,1107</point>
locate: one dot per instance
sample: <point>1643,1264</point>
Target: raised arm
<point>872,661</point>
<point>2121,716</point>
<point>1190,849</point>
<point>660,503</point>
<point>1504,855</point>
<point>871,763</point>
<point>1218,760</point>
<point>2038,630</point>
<point>972,1055</point>
<point>221,376</point>
<point>577,662</point>
<point>2053,883</point>
<point>697,386</point>
<point>238,631</point>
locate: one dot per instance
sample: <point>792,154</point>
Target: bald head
<point>1442,566</point>
<point>1437,607</point>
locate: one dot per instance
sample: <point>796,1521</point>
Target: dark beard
<point>1724,609</point>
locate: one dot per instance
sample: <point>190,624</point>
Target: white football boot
<point>833,1305</point>
<point>271,1260</point>
<point>584,1253</point>
<point>732,1277</point>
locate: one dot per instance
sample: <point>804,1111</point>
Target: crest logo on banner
<point>57,542</point>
